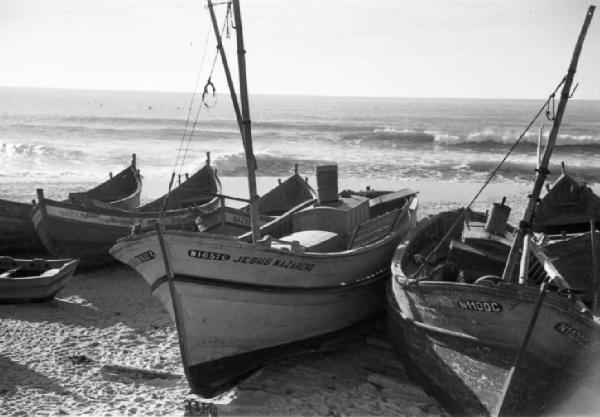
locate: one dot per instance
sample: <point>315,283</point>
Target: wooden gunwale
<point>234,242</point>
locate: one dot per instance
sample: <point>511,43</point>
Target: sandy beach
<point>68,356</point>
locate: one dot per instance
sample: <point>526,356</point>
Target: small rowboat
<point>17,233</point>
<point>33,280</point>
<point>86,230</point>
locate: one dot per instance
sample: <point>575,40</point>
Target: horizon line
<point>112,90</point>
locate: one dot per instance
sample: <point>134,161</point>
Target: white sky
<point>401,48</point>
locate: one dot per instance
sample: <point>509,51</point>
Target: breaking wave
<point>26,150</point>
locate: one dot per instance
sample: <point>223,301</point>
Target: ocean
<point>64,140</point>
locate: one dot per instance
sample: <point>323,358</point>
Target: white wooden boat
<point>487,338</point>
<point>86,230</point>
<point>243,304</point>
<point>241,301</point>
<point>33,280</point>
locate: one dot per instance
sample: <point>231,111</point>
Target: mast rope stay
<point>205,93</point>
<point>493,174</point>
<point>182,152</point>
<point>191,106</point>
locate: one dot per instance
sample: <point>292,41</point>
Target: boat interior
<point>336,222</point>
<point>476,250</point>
<point>198,189</point>
<point>289,195</point>
<point>26,268</point>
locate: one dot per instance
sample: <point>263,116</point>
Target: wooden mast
<point>234,100</point>
<point>246,124</point>
<point>542,171</point>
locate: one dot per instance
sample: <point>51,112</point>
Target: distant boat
<point>87,229</point>
<point>486,337</point>
<point>568,207</point>
<point>17,232</point>
<point>33,280</point>
<point>292,194</point>
<point>564,221</point>
<point>283,287</point>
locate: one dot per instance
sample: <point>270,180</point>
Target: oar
<point>517,361</point>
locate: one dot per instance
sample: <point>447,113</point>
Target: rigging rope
<point>182,153</point>
<point>209,82</point>
<point>493,173</point>
<point>187,120</point>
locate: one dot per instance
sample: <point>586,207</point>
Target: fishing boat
<point>485,337</point>
<point>284,287</point>
<point>87,228</point>
<point>568,207</point>
<point>17,233</point>
<point>33,280</point>
<point>122,190</point>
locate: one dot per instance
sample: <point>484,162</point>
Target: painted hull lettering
<point>572,333</point>
<point>483,306</point>
<point>209,256</point>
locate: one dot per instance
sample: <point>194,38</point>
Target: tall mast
<point>234,99</point>
<point>542,171</point>
<point>246,124</point>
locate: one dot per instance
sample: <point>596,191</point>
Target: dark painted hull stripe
<point>372,279</point>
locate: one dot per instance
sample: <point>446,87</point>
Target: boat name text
<point>572,333</point>
<point>209,256</point>
<point>473,305</point>
<point>145,257</point>
<point>300,266</point>
<point>251,260</point>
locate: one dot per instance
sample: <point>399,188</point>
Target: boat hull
<point>68,230</point>
<point>464,343</point>
<point>232,330</point>
<point>241,304</point>
<point>17,233</point>
<point>87,230</point>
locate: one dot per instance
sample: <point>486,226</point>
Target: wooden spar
<point>594,265</point>
<point>542,171</point>
<point>234,100</point>
<point>174,299</point>
<point>524,270</point>
<point>246,124</point>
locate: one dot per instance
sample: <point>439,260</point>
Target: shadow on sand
<point>98,298</point>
